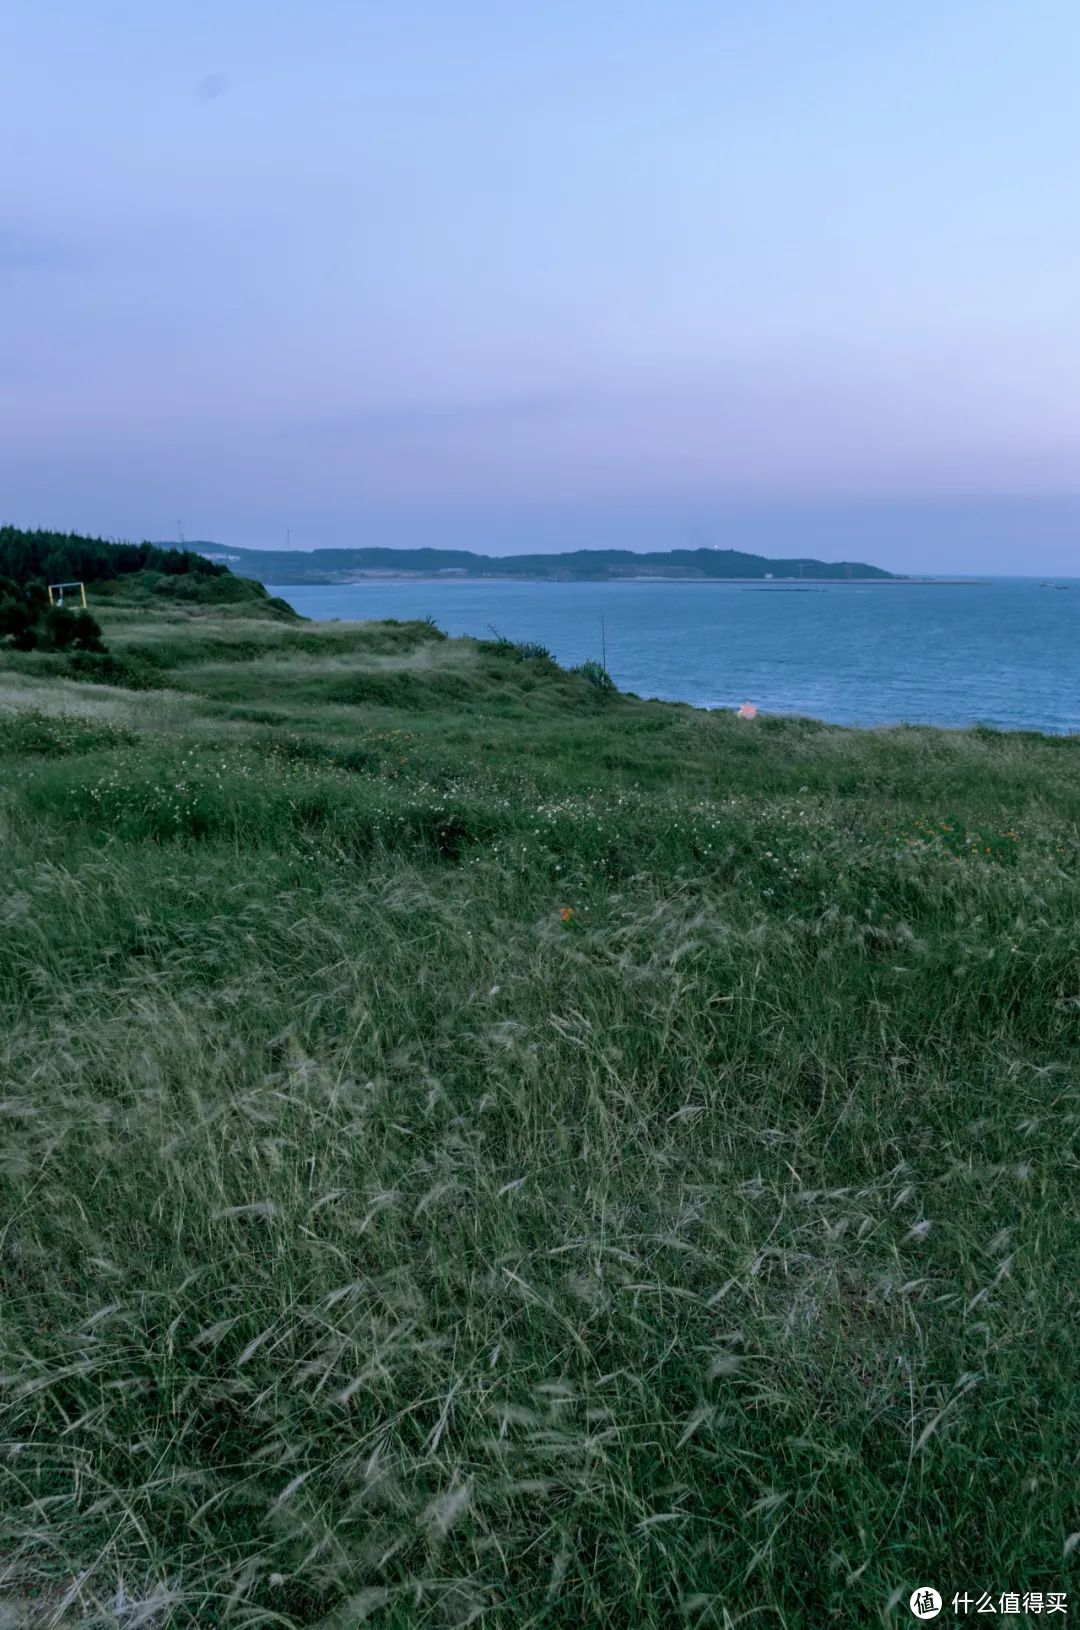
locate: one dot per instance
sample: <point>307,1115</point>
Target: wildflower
<point>567,914</point>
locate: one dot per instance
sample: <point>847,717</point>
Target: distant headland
<point>580,565</point>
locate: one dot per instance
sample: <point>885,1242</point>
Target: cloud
<point>425,418</point>
<point>211,87</point>
<point>22,251</point>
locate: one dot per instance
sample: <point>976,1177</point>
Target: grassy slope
<point>376,1243</point>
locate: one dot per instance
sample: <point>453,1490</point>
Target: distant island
<point>294,566</point>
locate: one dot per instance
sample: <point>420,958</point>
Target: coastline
<point>951,659</point>
<point>642,577</point>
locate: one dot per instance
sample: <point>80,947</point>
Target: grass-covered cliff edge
<point>480,1149</point>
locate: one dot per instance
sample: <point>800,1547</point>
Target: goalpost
<point>56,593</point>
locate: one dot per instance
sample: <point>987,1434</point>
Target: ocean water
<point>1005,653</point>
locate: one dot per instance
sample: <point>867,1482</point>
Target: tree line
<point>30,561</point>
<point>59,557</point>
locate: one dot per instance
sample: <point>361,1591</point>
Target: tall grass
<point>553,1161</point>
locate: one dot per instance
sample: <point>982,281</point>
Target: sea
<point>1002,652</point>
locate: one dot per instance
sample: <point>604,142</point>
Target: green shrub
<point>60,629</point>
<point>532,651</point>
<point>516,650</point>
<point>596,675</point>
<point>32,624</point>
<point>18,622</point>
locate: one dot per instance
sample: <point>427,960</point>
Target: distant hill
<point>590,565</point>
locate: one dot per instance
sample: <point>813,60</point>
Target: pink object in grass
<point>748,711</point>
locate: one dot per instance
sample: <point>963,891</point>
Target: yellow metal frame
<point>58,598</point>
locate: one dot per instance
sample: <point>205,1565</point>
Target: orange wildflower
<point>567,914</point>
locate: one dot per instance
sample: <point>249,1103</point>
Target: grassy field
<point>478,1150</point>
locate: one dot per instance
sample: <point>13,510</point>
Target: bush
<point>597,675</point>
<point>61,630</point>
<point>532,651</point>
<point>517,651</point>
<point>31,624</point>
<point>17,624</point>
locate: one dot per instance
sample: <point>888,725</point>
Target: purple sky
<point>501,275</point>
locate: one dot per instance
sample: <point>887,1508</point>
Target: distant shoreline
<point>803,583</point>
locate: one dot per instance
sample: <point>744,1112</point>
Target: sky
<point>485,274</point>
